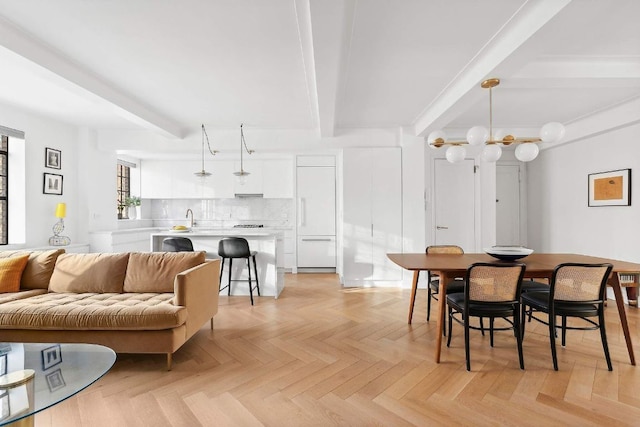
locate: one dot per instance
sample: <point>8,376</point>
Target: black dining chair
<point>237,247</point>
<point>578,291</point>
<point>491,290</point>
<point>433,280</point>
<point>177,244</point>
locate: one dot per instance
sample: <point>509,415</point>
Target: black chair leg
<point>552,340</point>
<point>220,278</point>
<point>450,326</point>
<point>230,270</point>
<point>255,269</point>
<point>564,331</point>
<point>603,336</point>
<point>491,320</point>
<point>466,342</point>
<point>481,326</point>
<point>517,331</point>
<point>250,284</point>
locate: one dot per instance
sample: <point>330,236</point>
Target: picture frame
<point>3,364</point>
<point>611,188</point>
<point>52,158</point>
<point>5,410</point>
<point>51,356</point>
<point>55,381</point>
<point>52,184</point>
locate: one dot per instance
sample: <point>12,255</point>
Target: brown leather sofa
<point>131,302</point>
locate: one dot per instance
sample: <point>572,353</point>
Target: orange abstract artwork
<point>607,188</point>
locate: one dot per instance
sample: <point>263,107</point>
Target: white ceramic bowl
<point>508,253</point>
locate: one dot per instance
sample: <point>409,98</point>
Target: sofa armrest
<point>197,289</point>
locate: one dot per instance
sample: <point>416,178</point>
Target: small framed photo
<point>52,184</point>
<point>611,188</point>
<point>3,364</point>
<point>51,356</point>
<point>5,412</point>
<point>55,380</point>
<point>52,158</point>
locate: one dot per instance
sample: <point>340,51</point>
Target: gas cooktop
<point>248,226</point>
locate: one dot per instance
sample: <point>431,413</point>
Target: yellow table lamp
<point>58,227</point>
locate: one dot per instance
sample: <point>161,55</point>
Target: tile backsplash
<point>223,212</point>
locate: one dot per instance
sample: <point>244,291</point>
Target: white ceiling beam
<point>71,76</point>
<point>332,26</point>
<point>456,97</point>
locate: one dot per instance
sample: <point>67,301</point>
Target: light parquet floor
<point>322,355</point>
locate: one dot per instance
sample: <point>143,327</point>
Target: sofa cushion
<point>93,311</point>
<point>26,293</point>
<point>11,272</point>
<point>37,273</point>
<point>93,272</point>
<point>156,271</point>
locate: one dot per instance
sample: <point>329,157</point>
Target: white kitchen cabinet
<point>316,216</point>
<point>155,179</point>
<point>316,251</point>
<point>253,181</point>
<point>277,179</point>
<point>372,215</point>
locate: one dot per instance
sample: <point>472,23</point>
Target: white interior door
<point>454,204</point>
<point>508,215</point>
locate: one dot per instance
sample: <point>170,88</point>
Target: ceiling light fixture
<point>203,173</point>
<point>242,174</point>
<point>526,150</point>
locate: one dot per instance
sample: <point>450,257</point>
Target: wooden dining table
<point>538,266</point>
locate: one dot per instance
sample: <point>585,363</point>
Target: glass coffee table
<point>34,377</point>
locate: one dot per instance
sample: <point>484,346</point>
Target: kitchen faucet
<point>187,216</point>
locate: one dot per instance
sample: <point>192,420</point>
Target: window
<point>123,186</point>
<point>4,185</point>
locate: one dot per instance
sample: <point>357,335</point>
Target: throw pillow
<point>11,272</point>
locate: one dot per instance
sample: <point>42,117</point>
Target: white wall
<point>559,218</point>
<point>40,208</point>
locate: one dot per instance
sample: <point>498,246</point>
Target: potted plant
<point>121,207</point>
<point>133,202</point>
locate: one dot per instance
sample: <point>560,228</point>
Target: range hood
<point>247,195</point>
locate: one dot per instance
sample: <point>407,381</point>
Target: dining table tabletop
<point>538,266</point>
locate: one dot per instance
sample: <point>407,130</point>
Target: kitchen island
<point>270,258</point>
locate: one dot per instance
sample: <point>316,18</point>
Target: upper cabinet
<point>175,179</point>
<point>277,179</point>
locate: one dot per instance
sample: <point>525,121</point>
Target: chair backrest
<point>489,282</point>
<point>177,244</point>
<point>444,249</point>
<point>234,247</point>
<point>580,282</point>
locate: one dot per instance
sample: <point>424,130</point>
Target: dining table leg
<point>414,288</point>
<point>614,282</point>
<point>442,308</point>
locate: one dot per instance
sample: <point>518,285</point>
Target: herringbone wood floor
<point>322,356</point>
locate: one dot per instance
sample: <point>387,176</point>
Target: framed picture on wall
<point>611,188</point>
<point>51,356</point>
<point>52,184</point>
<point>52,158</point>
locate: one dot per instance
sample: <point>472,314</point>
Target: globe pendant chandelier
<point>242,174</point>
<point>202,173</point>
<point>527,147</point>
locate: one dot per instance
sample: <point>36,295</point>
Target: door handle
<point>440,227</point>
<point>316,240</point>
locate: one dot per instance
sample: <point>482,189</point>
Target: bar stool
<point>237,247</point>
<point>177,244</point>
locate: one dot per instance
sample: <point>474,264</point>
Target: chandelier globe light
<point>202,173</point>
<point>527,147</point>
<point>242,174</point>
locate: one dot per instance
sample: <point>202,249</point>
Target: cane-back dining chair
<point>491,290</point>
<point>577,291</point>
